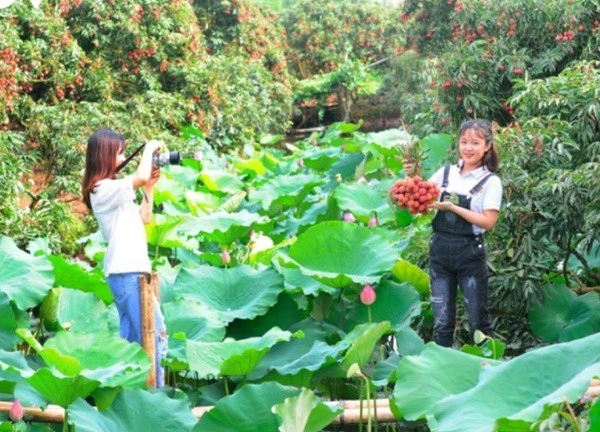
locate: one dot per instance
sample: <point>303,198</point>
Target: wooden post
<point>148,289</point>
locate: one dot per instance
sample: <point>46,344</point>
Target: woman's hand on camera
<point>153,178</point>
<point>153,146</point>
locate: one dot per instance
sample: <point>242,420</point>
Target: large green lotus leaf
<point>321,159</point>
<point>75,310</point>
<point>247,410</point>
<point>60,389</point>
<point>388,142</point>
<point>362,341</point>
<point>231,357</point>
<point>520,388</point>
<point>85,357</point>
<point>240,292</point>
<point>252,165</point>
<point>196,321</point>
<point>436,148</point>
<point>307,354</point>
<point>134,410</point>
<point>285,190</point>
<point>296,281</point>
<point>409,342</point>
<point>201,203</point>
<point>595,416</point>
<point>168,190</point>
<point>94,246</point>
<point>362,200</point>
<point>185,175</point>
<point>111,359</point>
<point>12,366</point>
<point>162,232</point>
<point>426,379</point>
<point>221,181</point>
<point>405,271</point>
<point>8,323</point>
<point>221,226</point>
<point>346,166</point>
<point>24,279</point>
<point>565,316</point>
<point>316,213</point>
<point>339,254</point>
<point>304,413</point>
<point>72,275</point>
<point>396,303</point>
<point>284,314</point>
<point>358,346</point>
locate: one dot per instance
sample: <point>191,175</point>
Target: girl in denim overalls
<point>121,222</point>
<point>469,204</point>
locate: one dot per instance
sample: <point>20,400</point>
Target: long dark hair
<point>485,131</point>
<point>103,146</point>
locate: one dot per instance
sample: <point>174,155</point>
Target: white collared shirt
<point>488,198</point>
<point>121,225</point>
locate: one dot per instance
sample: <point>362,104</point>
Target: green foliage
<point>319,33</point>
<point>141,68</point>
<point>483,48</point>
<point>549,171</point>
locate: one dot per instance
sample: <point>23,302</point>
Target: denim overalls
<point>457,256</point>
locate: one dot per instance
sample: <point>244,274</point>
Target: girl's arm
<point>486,220</point>
<point>148,200</point>
<point>144,170</point>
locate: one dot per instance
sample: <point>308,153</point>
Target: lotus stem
<point>226,386</point>
<point>575,422</point>
<point>66,422</point>
<point>369,310</point>
<point>368,391</point>
<point>360,395</point>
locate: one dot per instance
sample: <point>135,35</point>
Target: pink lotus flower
<point>362,180</point>
<point>198,155</point>
<point>300,163</point>
<point>16,411</point>
<point>373,222</point>
<point>367,296</point>
<point>349,217</point>
<point>225,257</point>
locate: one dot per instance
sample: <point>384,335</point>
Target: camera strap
<point>131,156</point>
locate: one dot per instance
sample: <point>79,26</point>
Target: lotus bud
<point>198,155</point>
<point>300,162</point>
<point>225,257</point>
<point>227,165</point>
<point>16,411</point>
<point>373,222</point>
<point>367,296</point>
<point>349,217</point>
<point>362,180</point>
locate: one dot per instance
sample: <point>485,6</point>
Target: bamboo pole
<point>351,415</point>
<point>148,288</point>
<point>52,414</point>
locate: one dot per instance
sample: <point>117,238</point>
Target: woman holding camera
<point>121,222</point>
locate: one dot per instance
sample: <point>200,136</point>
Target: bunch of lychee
<point>414,194</point>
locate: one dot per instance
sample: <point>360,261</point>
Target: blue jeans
<point>125,288</point>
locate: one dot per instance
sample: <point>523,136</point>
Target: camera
<point>171,158</point>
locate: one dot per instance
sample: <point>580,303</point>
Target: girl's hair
<point>103,146</point>
<point>484,129</point>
